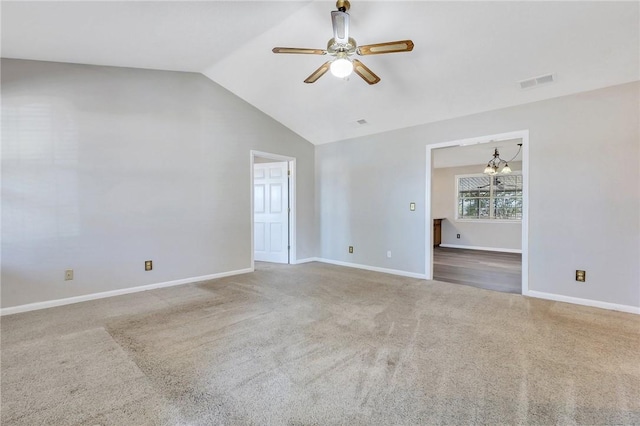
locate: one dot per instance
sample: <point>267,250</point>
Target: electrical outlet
<point>350,249</point>
<point>389,254</point>
<point>458,236</point>
<point>148,265</point>
<point>581,275</point>
<point>68,275</point>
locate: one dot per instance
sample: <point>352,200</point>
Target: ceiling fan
<point>342,47</point>
<point>498,184</point>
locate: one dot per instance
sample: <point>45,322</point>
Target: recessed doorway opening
<point>273,237</point>
<point>476,220</point>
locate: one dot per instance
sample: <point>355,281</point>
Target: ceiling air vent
<point>537,81</point>
<point>362,121</point>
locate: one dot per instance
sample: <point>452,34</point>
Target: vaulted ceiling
<point>468,56</point>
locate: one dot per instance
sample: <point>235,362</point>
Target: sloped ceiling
<point>476,154</point>
<point>468,56</point>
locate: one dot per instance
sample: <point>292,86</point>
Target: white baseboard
<point>373,268</point>
<point>307,260</point>
<point>93,296</point>
<point>584,302</point>
<point>503,250</point>
<point>67,301</point>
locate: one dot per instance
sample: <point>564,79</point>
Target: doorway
<point>272,208</point>
<point>455,243</point>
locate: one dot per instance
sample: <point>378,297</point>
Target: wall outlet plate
<point>350,249</point>
<point>148,265</point>
<point>581,275</point>
<point>68,275</point>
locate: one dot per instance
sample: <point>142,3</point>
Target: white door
<point>271,212</point>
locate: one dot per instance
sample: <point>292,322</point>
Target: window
<point>482,197</point>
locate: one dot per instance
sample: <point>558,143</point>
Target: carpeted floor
<point>320,344</point>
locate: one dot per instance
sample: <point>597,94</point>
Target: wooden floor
<point>483,269</point>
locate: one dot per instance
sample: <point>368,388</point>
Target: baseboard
<point>503,250</point>
<point>584,302</point>
<point>93,296</point>
<point>373,268</point>
<point>307,260</point>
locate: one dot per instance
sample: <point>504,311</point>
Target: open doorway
<point>272,208</point>
<point>477,231</point>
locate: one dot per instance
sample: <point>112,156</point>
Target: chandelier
<point>493,166</point>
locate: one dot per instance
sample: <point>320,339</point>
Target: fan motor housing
<point>349,48</point>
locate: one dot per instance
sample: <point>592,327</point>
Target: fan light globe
<point>341,67</point>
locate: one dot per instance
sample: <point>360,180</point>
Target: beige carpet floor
<point>320,344</point>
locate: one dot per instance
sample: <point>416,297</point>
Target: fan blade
<point>299,50</point>
<point>318,73</point>
<point>340,22</point>
<point>364,72</point>
<point>389,47</point>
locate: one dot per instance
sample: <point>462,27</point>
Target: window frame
<point>491,199</point>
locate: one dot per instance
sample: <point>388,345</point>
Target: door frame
<point>520,134</point>
<point>291,162</point>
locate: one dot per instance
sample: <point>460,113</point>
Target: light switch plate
<point>412,207</point>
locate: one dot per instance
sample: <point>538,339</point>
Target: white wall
<point>584,192</point>
<point>104,168</point>
<point>499,235</point>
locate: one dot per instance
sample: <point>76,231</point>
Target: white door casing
<point>271,212</point>
<point>524,136</point>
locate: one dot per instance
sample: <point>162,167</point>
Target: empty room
<point>319,212</point>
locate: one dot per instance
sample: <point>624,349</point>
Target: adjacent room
<point>319,212</point>
<point>477,205</point>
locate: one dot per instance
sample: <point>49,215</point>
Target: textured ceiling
<point>468,56</point>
